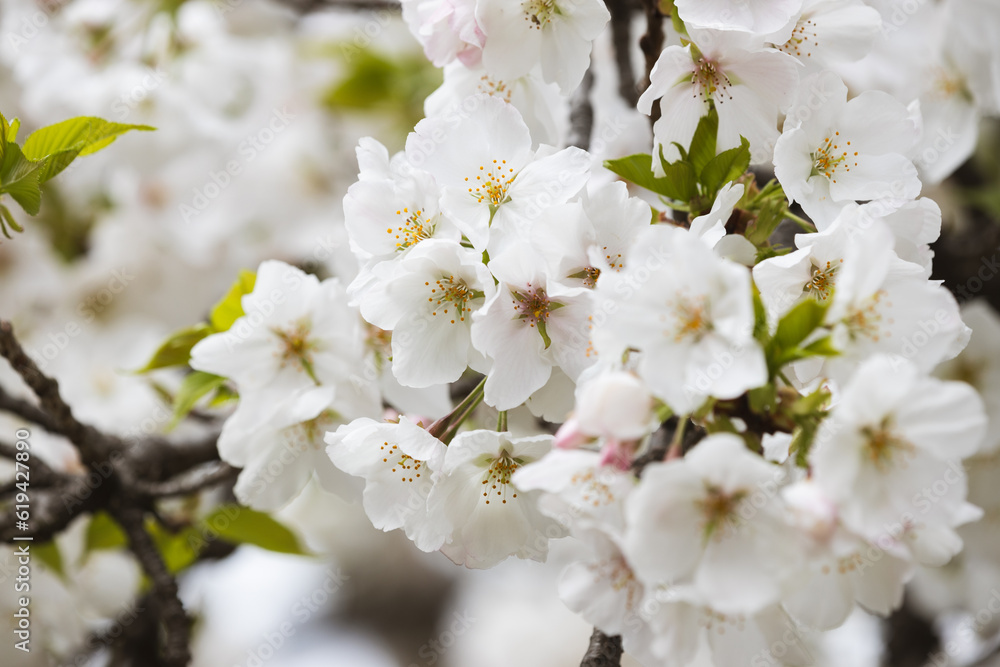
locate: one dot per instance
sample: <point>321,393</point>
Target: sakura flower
<point>841,567</point>
<point>889,453</point>
<point>538,102</point>
<point>707,519</point>
<point>474,501</point>
<point>447,29</point>
<point>585,238</point>
<point>297,333</point>
<point>827,32</point>
<point>392,207</point>
<point>755,16</point>
<point>281,452</point>
<point>530,325</point>
<point>397,463</point>
<point>492,182</point>
<point>604,590</point>
<point>616,405</point>
<point>559,34</point>
<point>883,304</point>
<point>834,151</point>
<point>748,90</point>
<point>579,489</point>
<point>427,302</point>
<point>977,365</point>
<point>687,310</point>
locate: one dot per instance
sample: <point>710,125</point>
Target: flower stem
<point>801,222</point>
<point>678,440</point>
<point>444,429</point>
<point>502,421</point>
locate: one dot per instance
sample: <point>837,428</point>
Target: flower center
<point>865,321</point>
<point>491,184</point>
<point>883,445</point>
<point>498,475</point>
<point>804,38</point>
<point>592,490</point>
<point>618,573</point>
<point>538,13</point>
<point>534,307</point>
<point>829,157</point>
<point>717,508</point>
<point>297,347</point>
<point>496,88</point>
<point>588,275</point>
<point>411,230</point>
<point>820,286</point>
<point>690,318</point>
<point>710,81</point>
<point>401,463</point>
<point>447,293</point>
<point>309,434</point>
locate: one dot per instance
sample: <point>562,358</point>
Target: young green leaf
<point>103,532</point>
<point>48,553</point>
<point>638,169</point>
<point>194,386</point>
<point>76,137</point>
<point>703,144</point>
<point>725,167</point>
<point>799,322</point>
<point>176,350</point>
<point>241,525</point>
<point>19,177</point>
<point>230,308</point>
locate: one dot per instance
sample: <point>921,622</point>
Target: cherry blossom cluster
<point>814,458</point>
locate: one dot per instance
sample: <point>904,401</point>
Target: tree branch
<point>192,481</point>
<point>652,44</point>
<point>621,40</point>
<point>581,113</point>
<point>27,411</point>
<point>176,623</point>
<point>604,651</point>
<point>92,444</point>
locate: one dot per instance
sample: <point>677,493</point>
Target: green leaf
<point>763,399</point>
<point>103,532</point>
<point>702,149</point>
<point>176,350</point>
<point>760,330</point>
<point>12,129</point>
<point>682,182</point>
<point>178,549</point>
<point>76,137</point>
<point>241,525</point>
<point>638,169</point>
<point>194,386</point>
<point>810,403</point>
<point>20,179</point>
<point>230,308</point>
<point>725,167</point>
<point>821,348</point>
<point>7,219</point>
<point>48,553</point>
<point>769,215</point>
<point>4,128</point>
<point>799,322</point>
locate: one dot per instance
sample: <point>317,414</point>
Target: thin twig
<point>192,481</point>
<point>581,113</point>
<point>176,651</point>
<point>40,474</point>
<point>27,411</point>
<point>92,444</point>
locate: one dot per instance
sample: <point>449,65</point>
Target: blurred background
<point>259,106</point>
